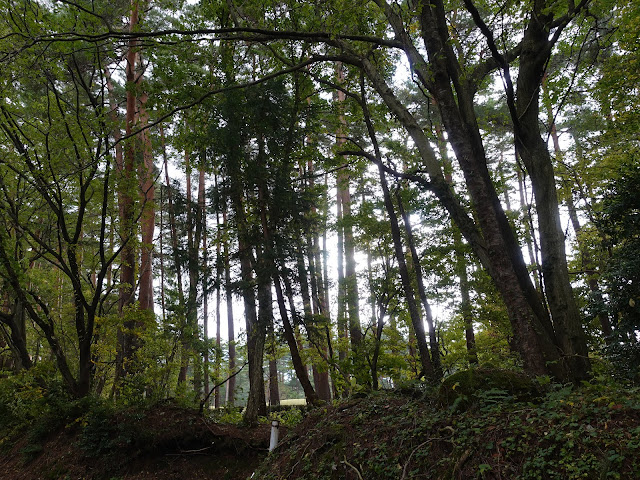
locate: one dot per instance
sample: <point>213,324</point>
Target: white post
<point>273,442</point>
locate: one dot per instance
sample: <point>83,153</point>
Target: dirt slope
<point>163,443</point>
<point>480,430</point>
<point>566,434</point>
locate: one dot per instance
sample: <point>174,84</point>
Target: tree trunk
<point>530,238</point>
<point>219,269</point>
<point>127,340</point>
<point>17,336</point>
<point>289,334</point>
<point>231,384</point>
<point>465,304</point>
<point>177,263</point>
<point>186,332</point>
<point>587,261</point>
<point>205,279</point>
<point>350,279</point>
<point>256,331</point>
<point>433,340</point>
<point>147,219</point>
<point>416,321</point>
<point>535,155</point>
<point>341,318</point>
<point>496,245</point>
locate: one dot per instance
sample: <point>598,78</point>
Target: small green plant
<point>229,415</point>
<point>289,417</point>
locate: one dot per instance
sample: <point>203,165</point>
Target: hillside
<point>465,430</point>
<point>491,433</point>
<point>163,442</point>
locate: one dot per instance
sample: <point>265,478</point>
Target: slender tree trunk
<point>465,304</point>
<point>173,233</point>
<point>194,240</point>
<point>163,303</point>
<point>416,321</point>
<point>315,332</point>
<point>205,280</point>
<point>377,319</point>
<point>274,390</point>
<point>265,316</point>
<point>300,369</point>
<point>433,340</point>
<point>186,332</point>
<point>147,220</point>
<point>219,269</point>
<point>530,239</point>
<point>350,279</point>
<point>231,384</point>
<point>325,301</point>
<point>341,318</point>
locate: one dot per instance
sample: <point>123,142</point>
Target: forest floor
<point>165,442</point>
<point>486,431</point>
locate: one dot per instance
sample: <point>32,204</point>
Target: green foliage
<point>105,431</point>
<point>484,384</point>
<point>620,223</point>
<point>232,415</point>
<point>152,369</point>
<point>290,416</point>
<point>568,433</point>
<point>27,396</point>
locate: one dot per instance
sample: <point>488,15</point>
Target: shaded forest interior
<point>362,196</point>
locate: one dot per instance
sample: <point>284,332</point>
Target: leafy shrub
<point>28,395</point>
<point>288,415</point>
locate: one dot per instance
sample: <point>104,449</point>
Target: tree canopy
<point>382,191</point>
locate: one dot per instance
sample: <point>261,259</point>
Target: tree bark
<point>494,242</point>
<point>416,320</point>
<point>231,384</point>
<point>433,340</point>
<point>147,219</point>
<point>204,281</point>
<point>533,150</point>
<point>350,280</point>
<point>587,260</point>
<point>127,340</point>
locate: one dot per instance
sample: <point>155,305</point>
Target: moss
<point>463,387</point>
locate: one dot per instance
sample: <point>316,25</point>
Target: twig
<point>463,458</point>
<point>346,462</point>
<point>406,464</point>
<point>184,452</point>
<point>204,400</point>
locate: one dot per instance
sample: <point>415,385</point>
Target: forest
<point>237,203</point>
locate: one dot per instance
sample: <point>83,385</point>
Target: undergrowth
<point>483,425</point>
<point>566,432</point>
